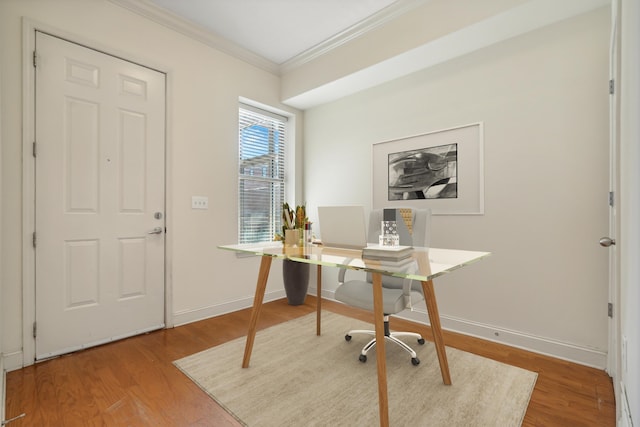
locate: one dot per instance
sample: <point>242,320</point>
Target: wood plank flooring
<point>134,383</point>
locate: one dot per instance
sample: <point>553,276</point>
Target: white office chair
<point>397,294</point>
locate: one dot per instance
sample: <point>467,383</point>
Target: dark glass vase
<point>296,281</point>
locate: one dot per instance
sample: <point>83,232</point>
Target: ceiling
<point>281,35</point>
<point>277,30</point>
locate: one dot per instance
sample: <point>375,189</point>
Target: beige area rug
<point>296,378</point>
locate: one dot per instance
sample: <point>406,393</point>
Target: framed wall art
<point>441,170</point>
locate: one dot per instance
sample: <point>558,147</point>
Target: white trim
<point>528,16</point>
<point>189,316</point>
<point>111,50</point>
<point>174,22</point>
<point>3,389</point>
<point>12,361</point>
<point>28,193</point>
<point>560,350</point>
<point>2,374</point>
<point>613,321</point>
<point>151,11</point>
<point>625,419</point>
<point>29,27</point>
<point>168,197</point>
<point>592,357</point>
<point>374,21</point>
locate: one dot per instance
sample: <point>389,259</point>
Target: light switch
<point>199,202</point>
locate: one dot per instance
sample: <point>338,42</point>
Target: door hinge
<point>612,198</point>
<point>612,87</point>
<point>34,150</point>
<point>610,310</point>
<point>35,329</point>
<point>35,59</point>
<point>34,241</point>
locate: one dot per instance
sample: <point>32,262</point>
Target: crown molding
<point>149,10</point>
<point>528,16</point>
<point>376,20</point>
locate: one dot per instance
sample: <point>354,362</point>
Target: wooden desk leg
<point>436,329</point>
<point>378,313</point>
<point>319,300</point>
<point>261,285</point>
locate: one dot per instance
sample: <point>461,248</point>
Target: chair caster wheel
<point>347,337</point>
<point>421,341</point>
<point>415,361</point>
<point>362,358</point>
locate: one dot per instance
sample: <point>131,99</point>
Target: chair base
<point>389,336</point>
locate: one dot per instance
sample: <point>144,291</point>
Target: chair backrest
<point>413,229</point>
<point>413,225</point>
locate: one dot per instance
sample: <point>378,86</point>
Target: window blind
<point>261,163</point>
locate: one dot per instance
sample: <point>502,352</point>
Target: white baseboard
<point>560,350</point>
<point>625,412</point>
<point>3,392</point>
<point>190,316</point>
<point>578,354</point>
<point>3,389</point>
<point>13,361</point>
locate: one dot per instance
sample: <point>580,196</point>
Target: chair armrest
<point>407,285</point>
<point>341,274</point>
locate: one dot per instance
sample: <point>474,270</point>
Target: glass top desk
<point>428,264</point>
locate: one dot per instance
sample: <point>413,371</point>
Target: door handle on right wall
<point>607,241</point>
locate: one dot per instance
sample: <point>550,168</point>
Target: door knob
<point>157,230</point>
<point>607,241</point>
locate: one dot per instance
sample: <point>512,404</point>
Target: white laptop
<point>343,226</point>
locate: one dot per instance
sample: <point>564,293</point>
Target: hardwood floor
<point>134,383</point>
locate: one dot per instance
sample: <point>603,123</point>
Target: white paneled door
<point>100,197</point>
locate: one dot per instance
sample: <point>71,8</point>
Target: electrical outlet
<point>199,202</point>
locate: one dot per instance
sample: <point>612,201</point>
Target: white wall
<point>543,100</point>
<point>429,33</point>
<point>544,109</point>
<point>203,90</point>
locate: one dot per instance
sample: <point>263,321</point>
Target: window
<point>261,166</point>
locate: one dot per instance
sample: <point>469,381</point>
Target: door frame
<point>613,356</point>
<point>29,27</point>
